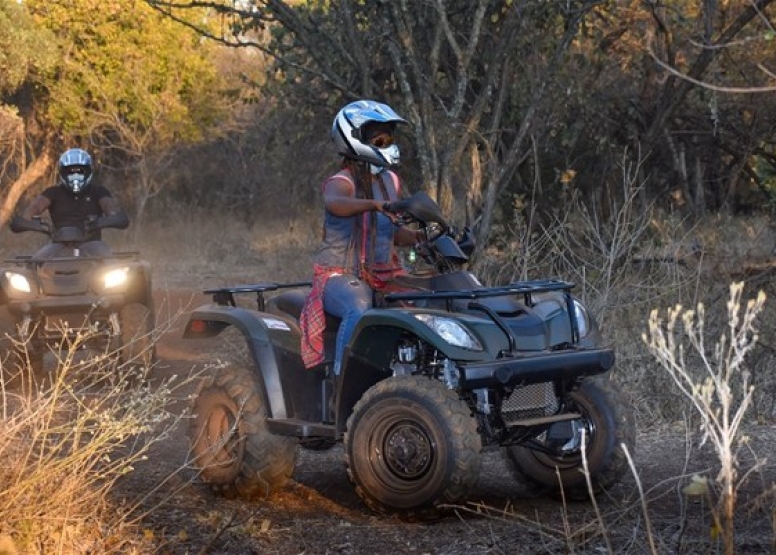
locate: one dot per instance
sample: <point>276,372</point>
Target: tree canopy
<point>120,80</point>
<point>536,100</point>
<point>516,106</point>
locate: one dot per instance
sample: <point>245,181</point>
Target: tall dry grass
<point>722,395</point>
<point>69,434</point>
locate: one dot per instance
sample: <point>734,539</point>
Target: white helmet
<point>348,135</point>
<point>75,170</point>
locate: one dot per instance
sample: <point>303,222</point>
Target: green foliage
<point>125,69</point>
<point>25,50</point>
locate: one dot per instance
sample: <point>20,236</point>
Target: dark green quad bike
<point>431,377</point>
<point>53,303</point>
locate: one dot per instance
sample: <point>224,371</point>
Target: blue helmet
<point>351,141</point>
<point>75,170</point>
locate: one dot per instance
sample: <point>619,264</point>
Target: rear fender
<point>260,331</point>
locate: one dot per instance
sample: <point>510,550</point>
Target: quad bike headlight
<point>18,282</point>
<point>115,277</point>
<point>582,318</point>
<point>451,331</point>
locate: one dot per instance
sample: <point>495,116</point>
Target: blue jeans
<point>346,297</point>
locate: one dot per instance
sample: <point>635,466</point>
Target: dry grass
<point>67,438</point>
<point>207,250</point>
<point>721,397</point>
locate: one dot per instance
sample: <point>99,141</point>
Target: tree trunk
<point>29,177</point>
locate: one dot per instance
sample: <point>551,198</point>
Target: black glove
<point>19,224</point>
<point>119,220</point>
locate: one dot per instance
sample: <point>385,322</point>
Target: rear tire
<point>608,421</point>
<point>411,445</point>
<point>230,442</point>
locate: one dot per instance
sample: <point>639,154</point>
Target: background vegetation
<point>628,146</point>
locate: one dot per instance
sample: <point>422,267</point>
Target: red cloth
<point>312,321</point>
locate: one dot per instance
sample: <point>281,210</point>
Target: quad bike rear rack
<point>224,296</point>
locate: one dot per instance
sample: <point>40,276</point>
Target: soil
<point>320,513</point>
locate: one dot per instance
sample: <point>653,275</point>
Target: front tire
<point>411,445</point>
<point>137,342</point>
<point>22,365</point>
<point>608,423</point>
<point>230,442</point>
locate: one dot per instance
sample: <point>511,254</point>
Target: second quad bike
<point>431,377</point>
<point>53,303</point>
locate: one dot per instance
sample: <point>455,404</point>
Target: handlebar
<point>19,224</point>
<point>444,246</point>
<point>92,224</point>
<point>417,208</point>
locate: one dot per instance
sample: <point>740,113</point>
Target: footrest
<point>299,428</point>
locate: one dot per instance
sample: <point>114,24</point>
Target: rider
<point>356,252</point>
<point>77,202</point>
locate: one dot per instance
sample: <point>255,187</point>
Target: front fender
<point>262,333</point>
<point>368,356</point>
<point>378,329</point>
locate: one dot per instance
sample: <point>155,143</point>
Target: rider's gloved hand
<point>19,224</point>
<point>118,220</point>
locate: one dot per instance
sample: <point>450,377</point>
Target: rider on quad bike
<point>416,374</point>
<point>75,283</point>
<point>356,254</point>
<point>76,202</point>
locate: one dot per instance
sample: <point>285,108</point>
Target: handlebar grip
<point>19,224</point>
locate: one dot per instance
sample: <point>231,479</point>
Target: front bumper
<point>74,303</point>
<point>536,368</point>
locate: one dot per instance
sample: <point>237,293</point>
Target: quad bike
<point>53,303</point>
<point>431,377</point>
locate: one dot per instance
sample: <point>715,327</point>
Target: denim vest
<point>347,241</point>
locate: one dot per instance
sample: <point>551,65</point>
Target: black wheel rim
<point>408,450</point>
<point>402,453</point>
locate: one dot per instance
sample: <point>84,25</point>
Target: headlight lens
<point>451,331</point>
<point>18,282</point>
<point>583,320</point>
<point>115,277</point>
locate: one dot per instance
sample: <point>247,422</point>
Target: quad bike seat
<point>291,303</point>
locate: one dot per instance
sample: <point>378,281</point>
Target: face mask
<point>390,155</point>
<point>76,182</point>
